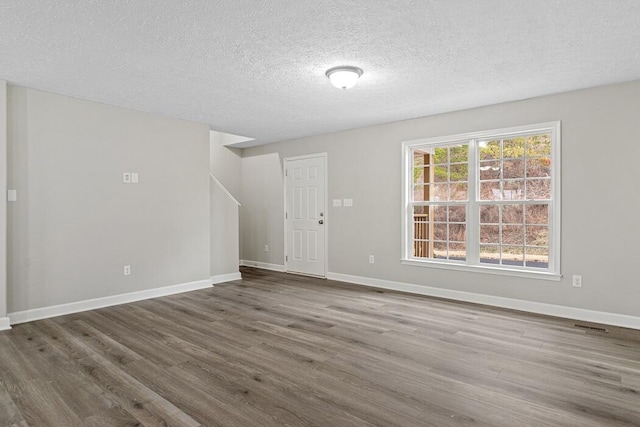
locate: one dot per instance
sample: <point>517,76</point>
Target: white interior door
<point>305,215</point>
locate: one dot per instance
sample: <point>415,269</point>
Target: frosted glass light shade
<point>344,77</point>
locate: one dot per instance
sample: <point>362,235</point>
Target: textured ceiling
<point>256,68</point>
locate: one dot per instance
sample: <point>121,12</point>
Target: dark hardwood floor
<point>277,349</point>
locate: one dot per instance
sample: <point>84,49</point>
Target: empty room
<point>319,213</point>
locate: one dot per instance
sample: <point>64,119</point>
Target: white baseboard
<point>262,265</point>
<point>92,304</point>
<point>612,319</point>
<point>4,324</point>
<point>221,278</point>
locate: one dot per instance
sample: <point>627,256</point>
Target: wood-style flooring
<point>277,349</point>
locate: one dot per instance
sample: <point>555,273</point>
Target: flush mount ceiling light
<point>344,77</point>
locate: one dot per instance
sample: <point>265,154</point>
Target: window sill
<point>501,271</point>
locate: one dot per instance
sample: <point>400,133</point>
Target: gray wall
<point>226,165</point>
<point>76,224</point>
<point>225,251</point>
<point>3,199</point>
<point>600,199</point>
<point>262,212</point>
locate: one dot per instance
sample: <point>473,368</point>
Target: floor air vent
<point>591,328</point>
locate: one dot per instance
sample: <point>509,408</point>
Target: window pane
<point>459,172</point>
<point>512,214</point>
<point>419,175</point>
<point>458,191</point>
<point>440,249</point>
<point>459,154</point>
<point>457,232</point>
<point>457,251</point>
<point>421,228</point>
<point>420,210</point>
<point>537,257</point>
<point>489,170</point>
<point>539,145</point>
<point>537,235</point>
<point>457,213</point>
<point>440,173</point>
<point>439,192</point>
<point>489,234</point>
<point>489,214</point>
<point>420,234</point>
<point>420,193</point>
<point>539,189</point>
<point>513,190</point>
<point>490,190</point>
<point>512,235</point>
<point>539,167</point>
<point>537,215</point>
<point>490,254</point>
<point>441,155</point>
<point>440,231</point>
<point>513,148</point>
<point>439,213</point>
<point>419,157</point>
<point>513,255</point>
<point>489,150</point>
<point>421,248</point>
<point>513,169</point>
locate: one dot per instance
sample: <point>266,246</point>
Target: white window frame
<point>473,244</point>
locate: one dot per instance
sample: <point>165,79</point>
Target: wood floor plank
<point>195,396</point>
<point>278,349</point>
<point>129,394</point>
<point>9,412</point>
<point>103,343</point>
<point>331,391</point>
<point>41,404</point>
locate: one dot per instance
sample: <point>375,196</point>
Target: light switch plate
<point>12,195</point>
<point>348,202</point>
<point>134,177</point>
<point>337,203</point>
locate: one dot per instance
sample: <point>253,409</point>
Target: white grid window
<point>488,200</point>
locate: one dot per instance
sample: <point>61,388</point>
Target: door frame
<point>285,162</point>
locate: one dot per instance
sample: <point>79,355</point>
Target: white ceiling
<point>256,67</point>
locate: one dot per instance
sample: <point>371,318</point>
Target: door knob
<point>321,222</point>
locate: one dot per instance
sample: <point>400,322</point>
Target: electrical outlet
<point>127,270</point>
<point>371,259</point>
<point>577,281</point>
<point>126,177</point>
<point>266,248</point>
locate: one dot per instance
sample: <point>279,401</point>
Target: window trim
<point>553,272</point>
